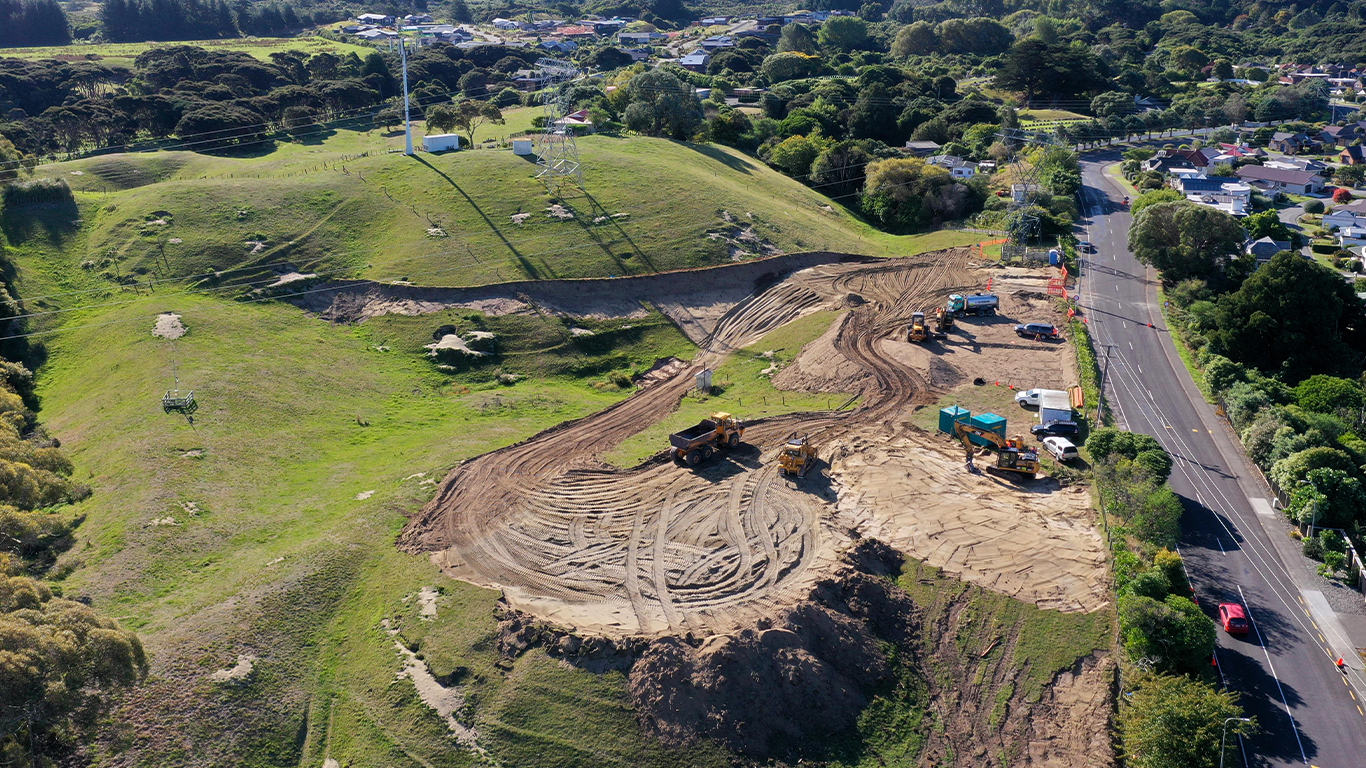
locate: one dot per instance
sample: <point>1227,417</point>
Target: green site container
<point>990,422</point>
<point>950,416</point>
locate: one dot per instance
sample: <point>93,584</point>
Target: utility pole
<point>1104,369</point>
<point>1225,736</point>
<point>407,120</point>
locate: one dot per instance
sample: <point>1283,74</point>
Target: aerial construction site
<point>664,558</point>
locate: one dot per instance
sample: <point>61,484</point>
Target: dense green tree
<point>979,35</point>
<point>908,195</point>
<point>791,66</point>
<point>469,116</point>
<point>1036,69</point>
<point>1113,103</point>
<point>1163,195</point>
<point>797,38</point>
<point>839,171</point>
<point>843,33</point>
<point>1267,224</point>
<point>667,106</point>
<point>1327,498</point>
<point>1173,721</point>
<point>918,39</point>
<point>1171,636</point>
<point>1326,394</point>
<point>1292,318</point>
<point>1184,240</point>
<point>873,115</point>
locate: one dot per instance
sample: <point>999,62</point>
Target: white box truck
<point>1054,405</point>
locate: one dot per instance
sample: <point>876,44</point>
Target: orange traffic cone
<point>1214,661</point>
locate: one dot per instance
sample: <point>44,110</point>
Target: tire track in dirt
<point>658,549</point>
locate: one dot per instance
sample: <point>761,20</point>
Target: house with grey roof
<point>1282,180</point>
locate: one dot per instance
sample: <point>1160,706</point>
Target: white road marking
<point>1248,609</point>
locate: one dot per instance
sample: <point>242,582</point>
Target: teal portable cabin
<point>990,422</point>
<point>950,416</point>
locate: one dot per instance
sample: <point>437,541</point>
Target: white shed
<point>441,142</point>
<point>521,146</point>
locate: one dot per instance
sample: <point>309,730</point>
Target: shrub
<point>1324,394</point>
<point>37,191</point>
<point>1289,471</point>
<point>1173,720</point>
<point>1173,635</point>
<point>1313,549</point>
<point>1313,206</point>
<point>1243,401</point>
<point>1150,583</point>
<point>1171,566</point>
<point>1107,443</point>
<point>1222,373</point>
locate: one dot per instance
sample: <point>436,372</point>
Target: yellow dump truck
<point>696,444</point>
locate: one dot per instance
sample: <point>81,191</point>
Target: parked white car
<point>1028,397</point>
<point>1061,448</point>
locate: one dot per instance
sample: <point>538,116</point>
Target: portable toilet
<point>1054,258</point>
<point>950,416</point>
<point>991,423</point>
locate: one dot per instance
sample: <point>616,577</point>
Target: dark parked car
<point>1085,247</point>
<point>1059,428</point>
<point>1037,331</point>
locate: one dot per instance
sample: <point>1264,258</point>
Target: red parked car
<point>1233,618</point>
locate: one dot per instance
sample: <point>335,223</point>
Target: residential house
<point>1352,237</point>
<point>529,80</point>
<point>1339,135</point>
<point>607,27</point>
<point>378,19</point>
<point>637,54</point>
<point>1282,180</point>
<point>579,122</point>
<point>505,24</point>
<point>417,18</point>
<point>1263,249</point>
<point>1351,214</point>
<point>582,31</point>
<point>713,21</point>
<point>1353,155</point>
<point>639,38</point>
<point>1292,143</point>
<point>377,34</point>
<point>1298,164</point>
<point>559,46</point>
<point>696,61</point>
<point>957,167</point>
<point>718,42</point>
<point>1219,192</point>
<point>1169,160</point>
<point>922,148</point>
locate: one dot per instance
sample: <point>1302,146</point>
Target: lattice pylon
<point>557,153</point>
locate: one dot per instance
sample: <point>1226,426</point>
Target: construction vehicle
<point>975,304</point>
<point>797,457</point>
<point>697,443</point>
<point>943,321</point>
<point>1012,455</point>
<point>919,331</point>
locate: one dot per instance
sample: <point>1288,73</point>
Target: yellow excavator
<point>943,321</point>
<point>1012,455</point>
<point>797,457</point>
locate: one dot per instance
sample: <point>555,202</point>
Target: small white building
<point>522,147</point>
<point>440,142</point>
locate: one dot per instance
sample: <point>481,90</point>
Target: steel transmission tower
<point>556,152</point>
<point>1022,216</point>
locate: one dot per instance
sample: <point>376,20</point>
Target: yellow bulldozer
<point>1013,456</point>
<point>797,457</point>
<point>919,332</point>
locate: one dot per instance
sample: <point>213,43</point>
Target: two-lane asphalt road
<point>1234,544</point>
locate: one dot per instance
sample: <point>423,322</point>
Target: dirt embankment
<point>695,299</point>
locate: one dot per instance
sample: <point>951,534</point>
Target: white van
<point>1061,448</point>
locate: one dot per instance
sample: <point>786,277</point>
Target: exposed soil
<point>168,326</point>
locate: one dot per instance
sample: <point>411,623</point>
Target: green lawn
<point>122,54</point>
<point>341,204</point>
<point>1041,115</point>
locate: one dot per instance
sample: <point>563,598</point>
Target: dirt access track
<point>662,550</point>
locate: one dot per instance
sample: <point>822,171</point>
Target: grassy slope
<point>325,207</point>
<point>243,533</point>
<point>123,54</point>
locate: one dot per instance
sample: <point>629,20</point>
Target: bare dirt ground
<point>660,550</point>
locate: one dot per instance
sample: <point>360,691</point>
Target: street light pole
<point>1225,736</point>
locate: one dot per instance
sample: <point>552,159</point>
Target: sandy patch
<point>168,326</point>
<point>1034,542</point>
<point>238,672</point>
<point>426,599</point>
<point>446,702</point>
<point>363,495</point>
<point>292,277</point>
<point>452,341</point>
